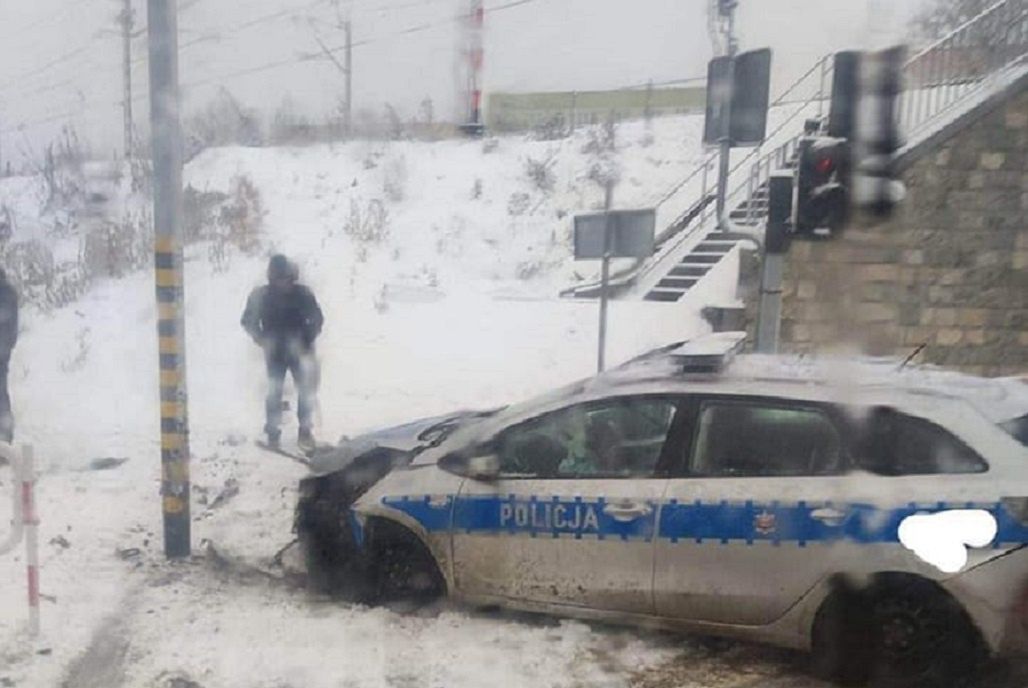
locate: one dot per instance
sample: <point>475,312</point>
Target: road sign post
<point>608,230</point>
<point>607,235</point>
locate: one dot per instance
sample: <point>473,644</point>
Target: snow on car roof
<point>794,376</point>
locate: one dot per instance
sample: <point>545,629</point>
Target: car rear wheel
<point>902,631</point>
<point>921,638</point>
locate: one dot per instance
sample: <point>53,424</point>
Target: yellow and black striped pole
<point>167,164</point>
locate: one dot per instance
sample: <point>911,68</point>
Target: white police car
<point>755,497</point>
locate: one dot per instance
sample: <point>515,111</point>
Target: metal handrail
<point>764,163</point>
<point>958,64</point>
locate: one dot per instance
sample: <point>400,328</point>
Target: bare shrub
<point>551,129</point>
<point>241,219</point>
<point>62,171</point>
<point>222,122</point>
<point>199,212</point>
<point>109,250</point>
<point>518,203</point>
<point>238,225</point>
<point>141,172</point>
<point>8,223</point>
<point>30,264</point>
<point>527,269</point>
<point>601,139</point>
<point>38,279</point>
<point>369,226</point>
<point>540,174</point>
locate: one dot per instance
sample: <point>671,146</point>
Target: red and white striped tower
<point>476,30</point>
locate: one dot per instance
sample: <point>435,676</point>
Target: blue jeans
<point>303,366</point>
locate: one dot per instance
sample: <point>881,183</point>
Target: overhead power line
<point>276,64</point>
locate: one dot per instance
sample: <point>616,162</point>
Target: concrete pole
<point>167,167</point>
<point>725,143</point>
<point>127,17</point>
<point>608,240</point>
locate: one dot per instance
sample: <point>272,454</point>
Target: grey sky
<point>60,59</point>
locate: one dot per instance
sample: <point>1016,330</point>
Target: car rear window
<point>1017,428</point>
<point>897,444</point>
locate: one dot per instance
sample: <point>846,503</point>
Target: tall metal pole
<point>127,17</point>
<point>775,246</point>
<point>167,166</point>
<point>348,117</point>
<point>608,231</point>
<point>725,142</point>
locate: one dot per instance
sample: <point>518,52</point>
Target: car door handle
<point>829,516</point>
<point>627,511</point>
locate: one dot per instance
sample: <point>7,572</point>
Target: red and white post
<point>476,54</point>
<point>24,523</point>
<point>30,518</point>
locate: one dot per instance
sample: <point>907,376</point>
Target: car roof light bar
<point>710,353</point>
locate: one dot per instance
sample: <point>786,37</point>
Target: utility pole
<point>167,166</point>
<point>727,10</point>
<point>348,116</point>
<point>347,70</point>
<point>126,18</point>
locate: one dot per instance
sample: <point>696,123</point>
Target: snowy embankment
<point>446,301</point>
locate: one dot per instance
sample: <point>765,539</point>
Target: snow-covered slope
<point>455,307</point>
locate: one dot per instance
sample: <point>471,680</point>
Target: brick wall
<point>949,269</point>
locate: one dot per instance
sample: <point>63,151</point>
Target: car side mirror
<point>484,467</point>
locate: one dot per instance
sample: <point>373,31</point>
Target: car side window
<point>898,444</point>
<point>744,439</point>
<point>621,437</point>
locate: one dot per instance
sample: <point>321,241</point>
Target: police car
<point>749,496</point>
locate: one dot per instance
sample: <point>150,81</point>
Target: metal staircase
<point>941,81</point>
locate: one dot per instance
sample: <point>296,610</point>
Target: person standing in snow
<point>8,338</point>
<point>284,319</point>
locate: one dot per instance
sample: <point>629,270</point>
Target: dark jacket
<point>278,320</point>
<point>8,318</point>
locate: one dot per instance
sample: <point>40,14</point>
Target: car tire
<point>921,637</point>
<point>402,569</point>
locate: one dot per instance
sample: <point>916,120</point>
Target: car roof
<point>837,379</point>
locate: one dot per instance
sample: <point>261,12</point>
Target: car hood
<point>398,439</point>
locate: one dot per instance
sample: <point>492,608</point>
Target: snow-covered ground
<point>456,308</point>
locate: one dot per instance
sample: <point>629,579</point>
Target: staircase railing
<point>935,79</point>
<point>756,166</point>
<point>958,64</point>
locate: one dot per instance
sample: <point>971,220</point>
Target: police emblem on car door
<point>571,517</point>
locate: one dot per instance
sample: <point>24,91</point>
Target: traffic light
<point>865,90</point>
<point>823,186</point>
